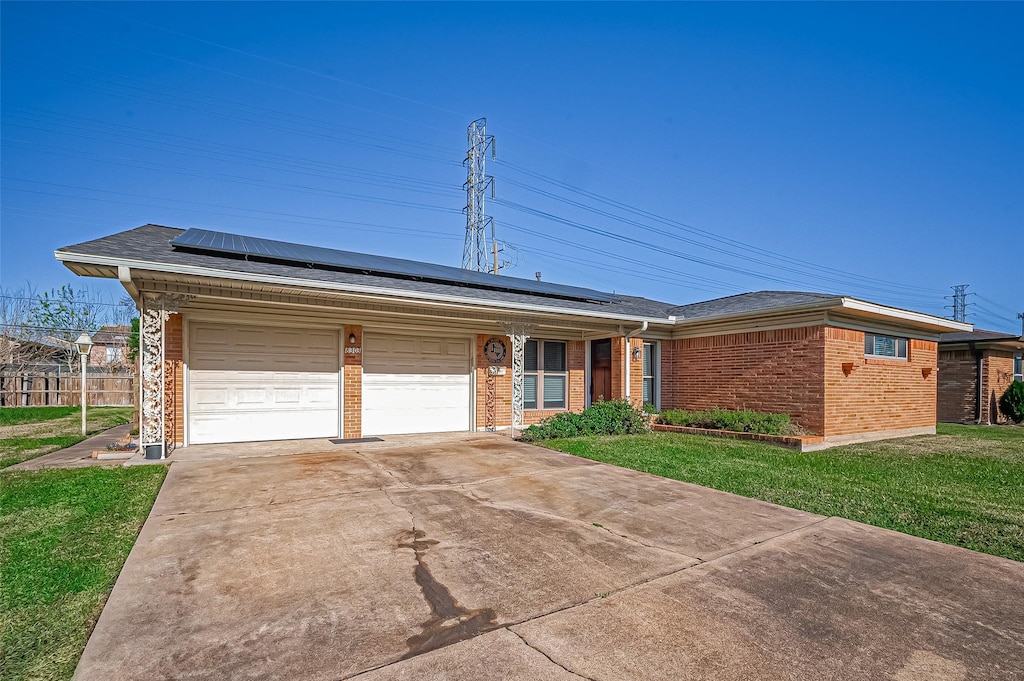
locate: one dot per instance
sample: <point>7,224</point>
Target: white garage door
<point>250,383</point>
<point>415,385</point>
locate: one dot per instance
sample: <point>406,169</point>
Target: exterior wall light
<point>351,339</point>
<point>84,345</point>
<point>636,354</point>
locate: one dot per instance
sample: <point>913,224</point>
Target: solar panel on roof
<point>221,242</point>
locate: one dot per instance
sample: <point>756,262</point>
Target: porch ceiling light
<point>84,344</point>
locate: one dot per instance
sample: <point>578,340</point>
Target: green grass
<point>64,535</point>
<point>962,486</point>
<point>10,416</point>
<point>28,432</point>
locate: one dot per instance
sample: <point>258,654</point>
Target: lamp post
<point>84,345</point>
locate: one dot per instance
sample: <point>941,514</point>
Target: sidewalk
<point>77,456</point>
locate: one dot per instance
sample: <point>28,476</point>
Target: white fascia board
<point>916,318</point>
<point>274,280</point>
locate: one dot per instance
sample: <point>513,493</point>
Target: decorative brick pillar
<point>352,421</point>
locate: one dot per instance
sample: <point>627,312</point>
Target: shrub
<point>616,417</point>
<point>1012,402</point>
<point>650,408</point>
<point>745,421</point>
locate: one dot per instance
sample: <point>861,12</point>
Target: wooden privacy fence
<point>36,387</point>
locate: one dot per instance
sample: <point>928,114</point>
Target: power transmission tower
<point>475,254</point>
<point>960,303</point>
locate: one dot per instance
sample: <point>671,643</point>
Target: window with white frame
<point>545,379</point>
<point>1018,368</point>
<point>650,365</point>
<point>876,345</point>
<point>114,354</point>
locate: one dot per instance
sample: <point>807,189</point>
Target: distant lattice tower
<point>960,303</point>
<point>474,251</point>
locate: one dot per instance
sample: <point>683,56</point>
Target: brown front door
<point>600,370</point>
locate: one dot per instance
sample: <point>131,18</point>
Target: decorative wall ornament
<point>153,388</point>
<point>518,333</point>
<point>491,402</point>
<point>151,351</point>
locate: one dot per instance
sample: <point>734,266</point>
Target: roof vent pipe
<point>537,274</point>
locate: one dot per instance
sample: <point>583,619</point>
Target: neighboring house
<point>975,369</point>
<point>110,347</point>
<point>16,352</point>
<point>250,339</point>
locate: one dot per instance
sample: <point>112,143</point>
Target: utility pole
<point>960,303</point>
<point>474,250</point>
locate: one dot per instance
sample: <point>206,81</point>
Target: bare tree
<point>61,315</point>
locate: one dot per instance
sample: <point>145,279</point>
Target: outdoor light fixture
<point>636,354</point>
<point>84,345</point>
<point>351,339</point>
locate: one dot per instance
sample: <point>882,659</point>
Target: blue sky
<point>675,151</point>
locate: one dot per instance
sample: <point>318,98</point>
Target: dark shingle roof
<point>111,334</point>
<point>978,335</point>
<point>759,301</point>
<point>152,244</point>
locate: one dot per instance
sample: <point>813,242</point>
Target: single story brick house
<point>975,369</point>
<point>249,339</point>
<point>110,347</point>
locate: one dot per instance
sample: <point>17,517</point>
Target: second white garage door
<point>249,383</point>
<point>415,384</point>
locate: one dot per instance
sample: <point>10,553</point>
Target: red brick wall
<point>636,373</point>
<point>174,380</point>
<point>772,371</point>
<point>997,372</point>
<point>352,420</point>
<point>957,386</point>
<point>879,394</point>
<point>575,364</point>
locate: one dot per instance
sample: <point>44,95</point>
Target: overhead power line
<point>683,227</point>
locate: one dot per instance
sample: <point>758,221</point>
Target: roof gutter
<point>369,291</point>
<point>906,315</point>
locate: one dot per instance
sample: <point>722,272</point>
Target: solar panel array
<point>221,242</point>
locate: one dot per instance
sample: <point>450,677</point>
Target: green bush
<point>745,421</point>
<point>1012,402</point>
<point>650,408</point>
<point>616,417</point>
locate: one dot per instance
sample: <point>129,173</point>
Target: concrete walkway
<point>482,558</point>
<point>77,456</point>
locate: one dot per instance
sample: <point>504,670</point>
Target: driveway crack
<point>381,467</point>
<point>551,659</point>
<point>449,622</point>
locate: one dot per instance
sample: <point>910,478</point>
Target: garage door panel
<point>251,383</point>
<point>415,384</point>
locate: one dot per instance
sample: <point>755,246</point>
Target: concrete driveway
<point>475,557</point>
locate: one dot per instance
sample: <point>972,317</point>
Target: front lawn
<point>962,486</point>
<point>28,432</point>
<point>64,535</point>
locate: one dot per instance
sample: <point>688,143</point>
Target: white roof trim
<point>906,315</point>
<point>399,294</point>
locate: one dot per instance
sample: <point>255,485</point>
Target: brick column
<point>174,383</point>
<point>636,373</point>
<point>353,382</point>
